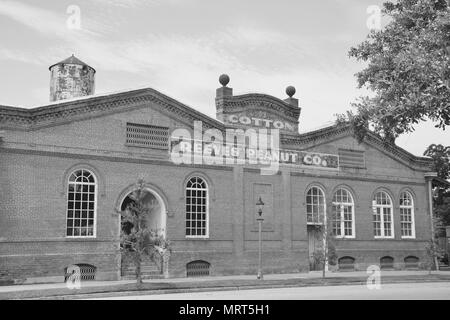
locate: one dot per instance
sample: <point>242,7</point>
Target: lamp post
<point>260,219</point>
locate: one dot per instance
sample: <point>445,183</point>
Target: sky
<point>180,47</point>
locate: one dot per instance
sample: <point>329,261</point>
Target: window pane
<point>315,205</point>
<point>343,211</point>
<point>81,204</point>
<point>196,208</point>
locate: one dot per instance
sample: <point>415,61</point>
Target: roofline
<point>30,118</point>
<point>64,105</point>
<point>72,57</point>
<point>441,180</point>
<point>425,162</point>
<point>76,64</point>
<point>261,96</point>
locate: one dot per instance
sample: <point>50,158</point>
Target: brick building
<point>67,168</point>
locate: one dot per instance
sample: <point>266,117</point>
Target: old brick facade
<point>41,147</point>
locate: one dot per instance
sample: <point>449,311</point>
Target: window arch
<point>197,268</point>
<point>346,263</point>
<point>383,226</point>
<point>197,210</point>
<point>343,214</point>
<point>315,205</point>
<point>411,262</point>
<point>386,262</point>
<point>407,215</point>
<point>81,204</point>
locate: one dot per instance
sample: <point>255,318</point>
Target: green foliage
<point>407,68</point>
<point>433,253</point>
<point>332,255</point>
<point>441,159</point>
<point>137,239</point>
<point>441,165</point>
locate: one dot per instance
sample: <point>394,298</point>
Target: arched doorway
<point>152,265</point>
<point>156,219</point>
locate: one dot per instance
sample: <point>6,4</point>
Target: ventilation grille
<point>81,271</point>
<point>351,158</point>
<point>147,136</point>
<point>387,263</point>
<point>411,262</point>
<point>346,263</point>
<point>197,269</point>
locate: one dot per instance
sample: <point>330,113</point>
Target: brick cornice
<point>93,106</point>
<point>338,131</point>
<point>241,102</point>
<point>87,107</point>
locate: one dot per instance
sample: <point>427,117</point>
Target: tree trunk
<point>138,270</point>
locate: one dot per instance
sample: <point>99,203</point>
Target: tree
<point>434,253</point>
<point>326,254</point>
<point>408,70</point>
<point>441,199</point>
<point>137,239</point>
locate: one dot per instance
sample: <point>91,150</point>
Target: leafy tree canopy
<point>441,165</point>
<point>408,70</point>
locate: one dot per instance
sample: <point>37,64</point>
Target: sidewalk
<point>214,283</point>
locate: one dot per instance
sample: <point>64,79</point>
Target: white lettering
<point>278,125</point>
<point>245,120</point>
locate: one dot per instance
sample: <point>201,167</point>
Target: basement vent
<point>197,268</point>
<point>411,262</point>
<point>86,272</point>
<point>346,263</point>
<point>147,136</point>
<point>387,262</point>
<point>351,158</point>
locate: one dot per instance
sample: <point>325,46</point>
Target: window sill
<point>80,238</point>
<point>197,238</point>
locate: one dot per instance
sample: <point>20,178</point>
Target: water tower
<point>71,78</point>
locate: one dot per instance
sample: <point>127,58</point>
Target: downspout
<point>429,177</point>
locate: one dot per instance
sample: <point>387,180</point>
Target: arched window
<point>81,204</point>
<point>386,262</point>
<point>346,263</point>
<point>407,215</point>
<point>315,206</point>
<point>383,226</point>
<point>411,262</point>
<point>197,268</point>
<point>197,208</point>
<point>343,219</point>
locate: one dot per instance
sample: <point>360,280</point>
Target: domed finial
<point>290,91</point>
<point>224,79</point>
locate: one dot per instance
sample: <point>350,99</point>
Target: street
<point>437,290</point>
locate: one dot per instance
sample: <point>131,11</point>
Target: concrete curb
<point>164,288</point>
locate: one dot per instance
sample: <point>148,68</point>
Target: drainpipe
<point>429,178</point>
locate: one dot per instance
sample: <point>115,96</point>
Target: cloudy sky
<point>180,47</point>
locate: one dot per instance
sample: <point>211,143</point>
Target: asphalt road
<point>437,290</point>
